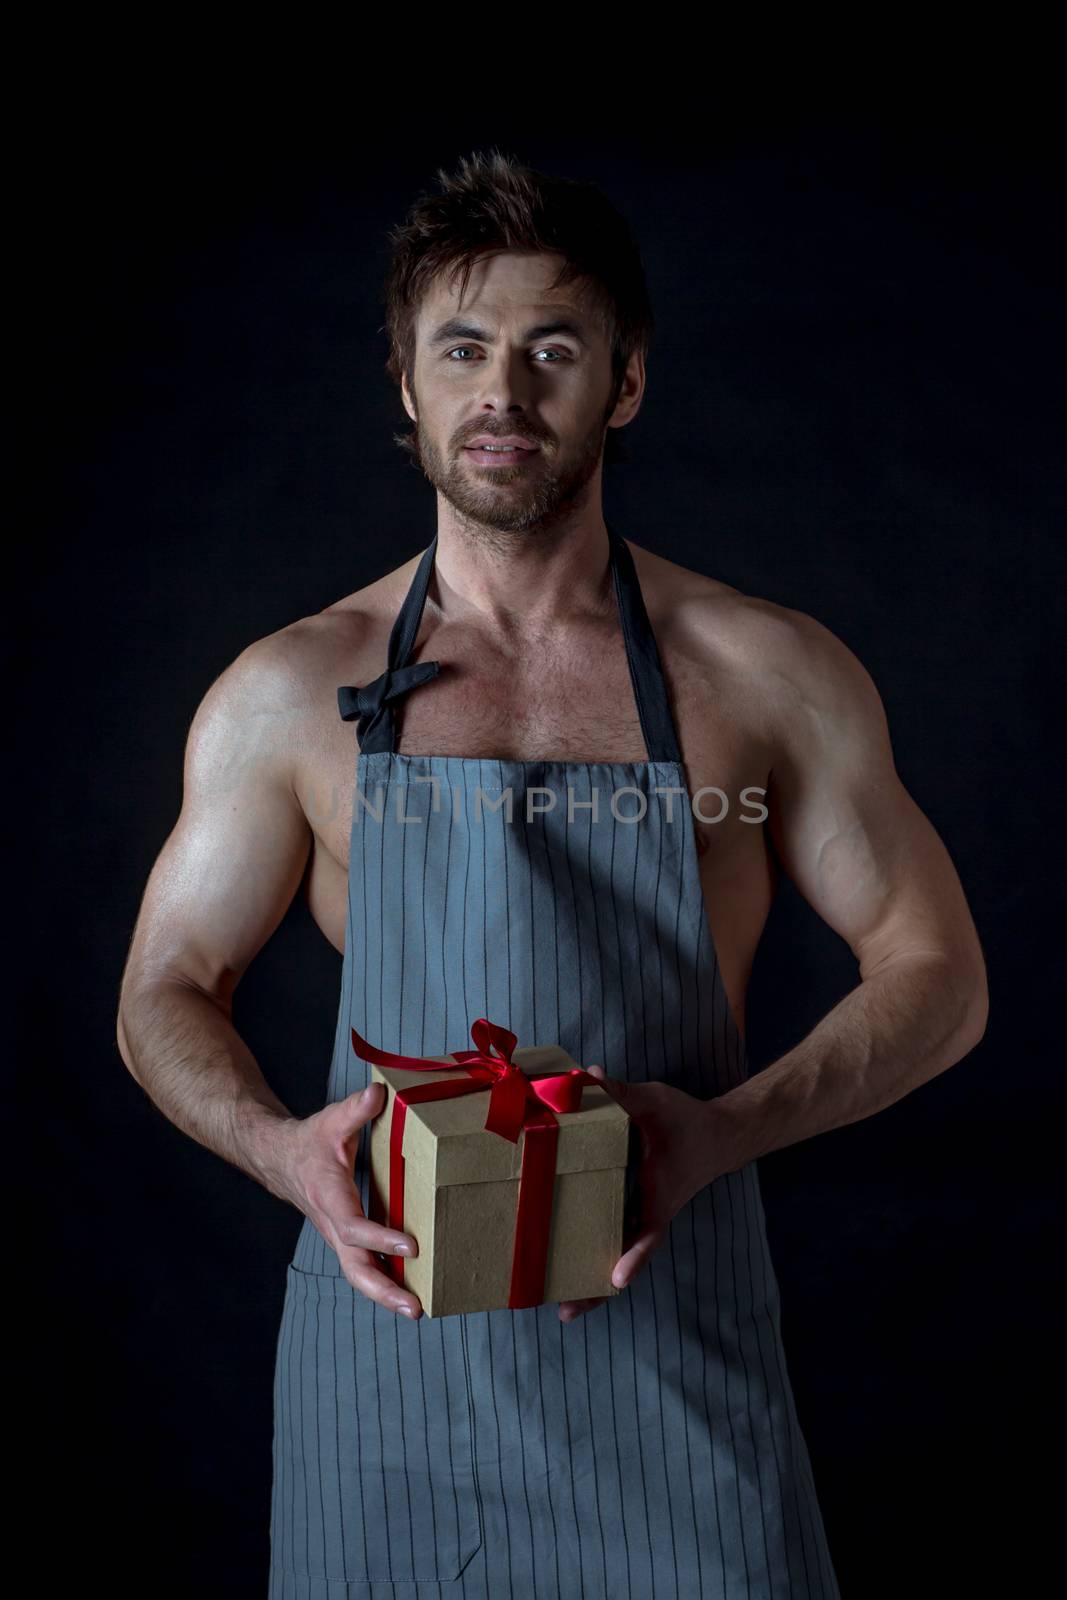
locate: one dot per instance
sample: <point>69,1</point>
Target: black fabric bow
<point>368,703</point>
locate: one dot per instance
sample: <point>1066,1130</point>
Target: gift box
<point>508,1165</point>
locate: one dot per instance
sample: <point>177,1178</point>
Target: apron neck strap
<point>375,728</point>
<point>646,670</point>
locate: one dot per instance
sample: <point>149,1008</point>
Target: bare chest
<point>579,709</point>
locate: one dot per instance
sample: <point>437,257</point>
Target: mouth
<point>512,455</point>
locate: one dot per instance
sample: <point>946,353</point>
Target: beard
<point>535,495</point>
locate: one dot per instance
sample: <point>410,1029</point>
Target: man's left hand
<point>678,1157</point>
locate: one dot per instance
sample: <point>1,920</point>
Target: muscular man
<point>653,1448</point>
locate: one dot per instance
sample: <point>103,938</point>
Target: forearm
<point>191,1062</point>
<point>893,1032</point>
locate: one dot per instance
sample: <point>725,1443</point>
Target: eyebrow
<point>456,328</point>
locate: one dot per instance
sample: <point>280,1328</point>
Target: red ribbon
<point>517,1101</point>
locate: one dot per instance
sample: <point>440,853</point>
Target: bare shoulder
<point>791,666</point>
<point>274,706</point>
<point>281,676</point>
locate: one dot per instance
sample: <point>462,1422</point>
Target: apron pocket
<point>372,1454</point>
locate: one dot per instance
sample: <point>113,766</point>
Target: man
<point>654,1448</point>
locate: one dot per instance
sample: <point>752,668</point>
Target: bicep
<point>235,859</point>
<point>847,831</point>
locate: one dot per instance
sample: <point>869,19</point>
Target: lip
<point>514,439</point>
<point>497,462</point>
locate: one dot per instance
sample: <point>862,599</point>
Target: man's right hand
<point>318,1176</point>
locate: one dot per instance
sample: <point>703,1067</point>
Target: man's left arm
<point>862,853</point>
<point>868,860</point>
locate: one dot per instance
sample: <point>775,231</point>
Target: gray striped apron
<point>650,1449</point>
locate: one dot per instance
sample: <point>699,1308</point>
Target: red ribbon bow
<point>517,1101</point>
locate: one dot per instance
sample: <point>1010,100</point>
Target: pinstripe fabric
<point>649,1450</point>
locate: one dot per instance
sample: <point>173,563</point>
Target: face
<point>514,360</point>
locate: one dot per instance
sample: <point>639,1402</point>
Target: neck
<point>526,582</point>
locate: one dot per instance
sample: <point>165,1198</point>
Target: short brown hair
<point>491,203</point>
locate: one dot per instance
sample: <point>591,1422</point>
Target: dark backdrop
<point>850,410</point>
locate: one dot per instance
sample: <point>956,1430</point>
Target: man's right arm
<point>219,889</point>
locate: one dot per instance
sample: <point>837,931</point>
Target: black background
<point>852,410</point>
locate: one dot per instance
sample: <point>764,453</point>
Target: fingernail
<point>401,1250</point>
<point>406,1310</point>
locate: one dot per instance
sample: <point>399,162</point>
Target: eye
<point>559,355</point>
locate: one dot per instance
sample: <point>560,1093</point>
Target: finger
<point>628,1265</point>
<point>340,1203</point>
<point>369,1280</point>
<point>367,1235</point>
<point>570,1309</point>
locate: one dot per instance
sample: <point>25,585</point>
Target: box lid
<point>447,1140</point>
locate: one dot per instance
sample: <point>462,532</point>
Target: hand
<point>319,1170</point>
<point>677,1160</point>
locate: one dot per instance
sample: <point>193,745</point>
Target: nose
<point>505,382</point>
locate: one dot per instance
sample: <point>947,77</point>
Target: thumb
<point>617,1089</point>
<point>356,1109</point>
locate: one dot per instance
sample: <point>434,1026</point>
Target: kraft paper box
<point>461,1184</point>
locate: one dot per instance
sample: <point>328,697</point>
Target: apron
<point>650,1449</point>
